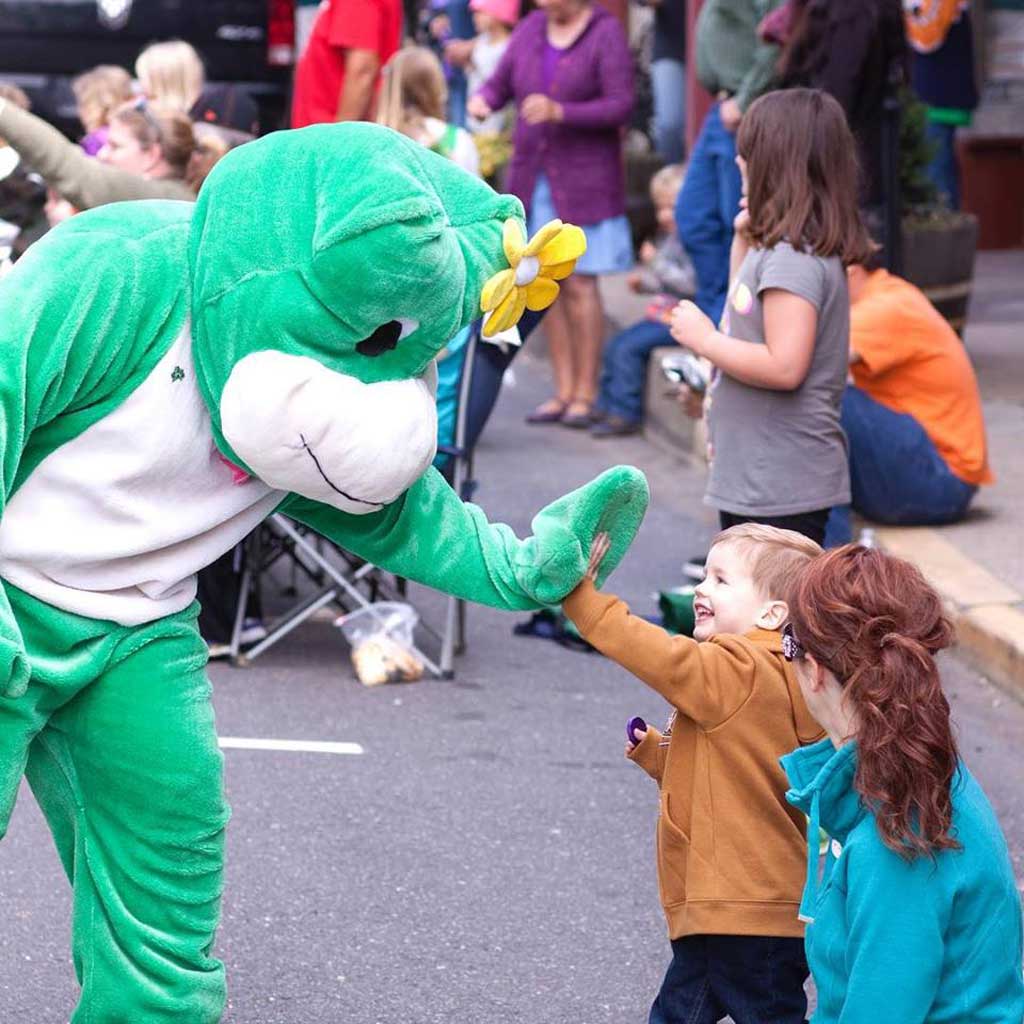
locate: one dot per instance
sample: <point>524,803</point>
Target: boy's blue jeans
<point>755,979</point>
<point>896,474</point>
<point>707,205</point>
<point>624,369</point>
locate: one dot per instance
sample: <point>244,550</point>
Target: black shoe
<point>615,426</point>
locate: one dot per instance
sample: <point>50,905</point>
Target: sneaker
<point>253,631</point>
<point>615,426</point>
<point>216,651</point>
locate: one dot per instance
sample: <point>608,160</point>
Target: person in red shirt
<point>337,76</point>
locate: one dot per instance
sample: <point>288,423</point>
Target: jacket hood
<point>348,244</point>
<point>805,726</point>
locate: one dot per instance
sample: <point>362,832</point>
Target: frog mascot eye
<point>386,337</point>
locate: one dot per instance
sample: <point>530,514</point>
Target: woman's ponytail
<point>875,623</point>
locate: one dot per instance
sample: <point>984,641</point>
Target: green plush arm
<point>429,535</point>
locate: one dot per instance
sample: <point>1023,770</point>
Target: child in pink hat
<point>504,11</point>
<point>493,21</point>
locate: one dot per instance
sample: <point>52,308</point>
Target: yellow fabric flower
<point>535,268</point>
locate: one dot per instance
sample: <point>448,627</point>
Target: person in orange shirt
<point>337,76</point>
<point>912,413</point>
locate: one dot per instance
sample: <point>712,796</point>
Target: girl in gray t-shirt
<point>778,452</point>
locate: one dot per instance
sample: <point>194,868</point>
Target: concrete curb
<point>988,614</point>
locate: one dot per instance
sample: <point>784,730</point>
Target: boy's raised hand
<point>598,549</point>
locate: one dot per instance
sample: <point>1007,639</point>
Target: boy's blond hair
<point>774,555</point>
<point>668,181</point>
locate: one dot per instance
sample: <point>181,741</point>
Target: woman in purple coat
<point>570,73</point>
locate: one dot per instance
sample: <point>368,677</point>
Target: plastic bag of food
<point>380,636</point>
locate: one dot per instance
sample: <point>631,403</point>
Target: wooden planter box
<point>938,256</point>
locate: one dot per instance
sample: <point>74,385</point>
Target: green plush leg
<point>129,776</point>
<point>66,653</point>
<point>429,535</point>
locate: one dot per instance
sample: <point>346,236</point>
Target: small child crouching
<point>667,275</point>
<point>731,851</point>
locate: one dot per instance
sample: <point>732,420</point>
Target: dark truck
<point>44,44</point>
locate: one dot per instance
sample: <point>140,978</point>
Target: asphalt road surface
<point>488,858</point>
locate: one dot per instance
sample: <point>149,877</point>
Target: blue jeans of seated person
<point>944,169</point>
<point>624,369</point>
<point>897,475</point>
<point>707,205</point>
<point>754,979</point>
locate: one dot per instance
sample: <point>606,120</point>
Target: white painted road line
<point>304,746</point>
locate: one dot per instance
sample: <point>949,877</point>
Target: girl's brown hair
<point>874,622</point>
<point>413,89</point>
<point>154,126</point>
<point>802,175</point>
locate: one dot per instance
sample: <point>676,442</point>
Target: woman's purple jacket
<point>581,155</point>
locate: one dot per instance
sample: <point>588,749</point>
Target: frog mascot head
<point>171,374</point>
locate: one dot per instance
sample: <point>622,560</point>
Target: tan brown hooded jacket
<point>732,853</point>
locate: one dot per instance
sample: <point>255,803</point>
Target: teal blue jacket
<point>929,941</point>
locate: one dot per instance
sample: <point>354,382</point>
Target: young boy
<point>667,274</point>
<point>731,852</point>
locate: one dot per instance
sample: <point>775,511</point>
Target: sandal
<point>580,419</point>
<point>550,411</point>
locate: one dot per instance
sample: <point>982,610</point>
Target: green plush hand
<point>554,560</point>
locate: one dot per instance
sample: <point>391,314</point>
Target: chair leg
<point>243,605</point>
<point>448,641</point>
<point>460,641</point>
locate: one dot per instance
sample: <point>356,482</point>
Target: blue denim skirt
<point>609,242</point>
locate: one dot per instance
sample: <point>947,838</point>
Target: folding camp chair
<point>340,577</point>
<point>459,473</point>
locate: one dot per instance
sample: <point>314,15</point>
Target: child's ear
<point>773,615</point>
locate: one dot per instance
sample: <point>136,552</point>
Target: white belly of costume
<point>115,523</point>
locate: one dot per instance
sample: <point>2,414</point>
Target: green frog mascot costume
<point>170,375</point>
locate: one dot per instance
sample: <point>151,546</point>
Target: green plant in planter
<point>918,194</point>
<point>938,243</point>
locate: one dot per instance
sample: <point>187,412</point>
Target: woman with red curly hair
<point>917,918</point>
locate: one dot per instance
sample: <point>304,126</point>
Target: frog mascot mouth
<point>170,375</point>
<point>327,435</point>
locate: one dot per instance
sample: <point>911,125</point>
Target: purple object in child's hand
<point>633,726</point>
